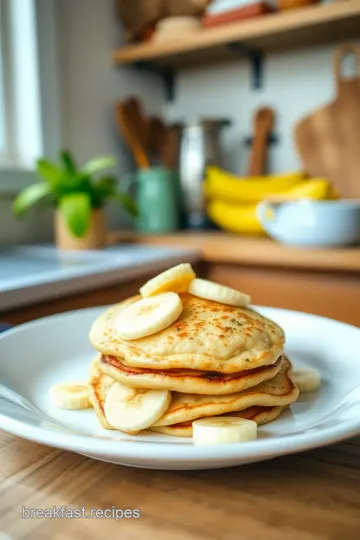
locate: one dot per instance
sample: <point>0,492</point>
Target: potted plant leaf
<point>78,195</point>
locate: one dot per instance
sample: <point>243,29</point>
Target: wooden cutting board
<point>328,140</point>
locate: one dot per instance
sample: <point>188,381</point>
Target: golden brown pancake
<point>260,415</point>
<point>208,336</point>
<point>187,381</point>
<point>99,386</point>
<point>277,392</point>
<point>263,403</point>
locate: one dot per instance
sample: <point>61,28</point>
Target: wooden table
<point>311,496</point>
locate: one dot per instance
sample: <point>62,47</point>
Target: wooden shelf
<point>273,32</point>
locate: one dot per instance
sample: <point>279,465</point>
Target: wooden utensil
<point>157,137</point>
<point>170,151</point>
<point>138,120</point>
<point>328,139</point>
<point>124,122</point>
<point>263,124</point>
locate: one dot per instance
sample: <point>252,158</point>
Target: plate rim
<point>144,450</point>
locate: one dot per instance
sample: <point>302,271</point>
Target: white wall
<point>91,84</point>
<point>294,84</point>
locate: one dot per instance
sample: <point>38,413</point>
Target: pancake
<point>99,386</point>
<point>208,336</point>
<point>187,381</point>
<point>277,392</point>
<point>255,405</point>
<point>260,415</point>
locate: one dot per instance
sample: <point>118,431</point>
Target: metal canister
<point>200,146</point>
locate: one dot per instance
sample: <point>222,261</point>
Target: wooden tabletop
<point>310,496</point>
<point>222,247</point>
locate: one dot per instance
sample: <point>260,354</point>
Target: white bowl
<point>312,223</point>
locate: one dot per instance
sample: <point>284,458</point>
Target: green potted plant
<point>78,195</point>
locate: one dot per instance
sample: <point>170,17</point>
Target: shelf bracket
<point>272,139</point>
<point>166,74</point>
<point>257,62</point>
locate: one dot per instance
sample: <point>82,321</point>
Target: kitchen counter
<point>324,282</point>
<point>221,247</point>
<point>321,281</point>
<point>31,274</point>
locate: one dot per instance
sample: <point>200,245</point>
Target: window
<point>3,119</point>
<point>28,87</point>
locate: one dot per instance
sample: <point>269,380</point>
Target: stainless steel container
<point>200,146</point>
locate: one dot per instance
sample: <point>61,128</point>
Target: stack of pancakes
<point>215,359</point>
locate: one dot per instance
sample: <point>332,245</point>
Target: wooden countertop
<point>222,247</point>
<point>312,496</point>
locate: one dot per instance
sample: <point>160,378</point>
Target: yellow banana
<point>214,171</point>
<point>223,185</point>
<point>241,218</point>
<point>316,189</point>
<point>235,218</point>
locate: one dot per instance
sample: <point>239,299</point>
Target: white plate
<point>38,354</point>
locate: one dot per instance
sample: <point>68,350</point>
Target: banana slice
<point>175,279</point>
<point>71,396</point>
<point>148,316</point>
<point>307,379</point>
<point>133,409</point>
<point>223,430</point>
<point>219,293</point>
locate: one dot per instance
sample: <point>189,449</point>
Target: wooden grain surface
<point>219,247</point>
<point>326,139</point>
<point>312,496</point>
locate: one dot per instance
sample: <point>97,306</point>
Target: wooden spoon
<point>170,151</point>
<point>157,137</point>
<point>124,122</point>
<point>138,120</point>
<point>263,124</point>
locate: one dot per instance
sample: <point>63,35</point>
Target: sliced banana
<point>218,293</point>
<point>72,396</point>
<point>223,430</point>
<point>133,409</point>
<point>148,316</point>
<point>307,379</point>
<point>175,279</point>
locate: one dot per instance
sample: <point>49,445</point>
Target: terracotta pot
<point>94,238</point>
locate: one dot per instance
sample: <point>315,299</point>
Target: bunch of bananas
<point>232,201</point>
